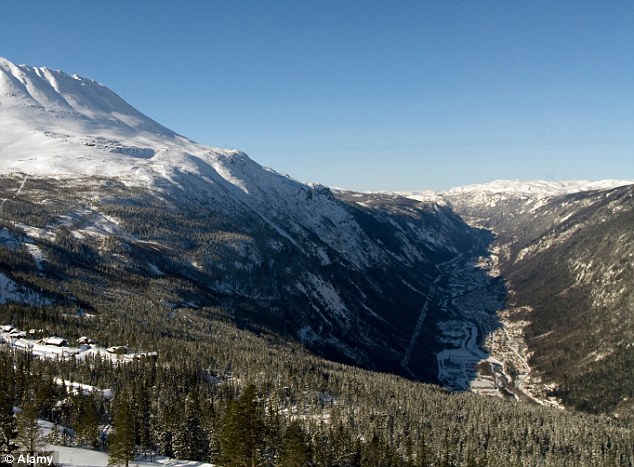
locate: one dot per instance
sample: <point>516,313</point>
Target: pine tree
<point>423,456</point>
<point>121,442</point>
<point>55,437</point>
<point>273,432</point>
<point>164,419</point>
<point>8,424</point>
<point>45,397</point>
<point>242,433</point>
<point>143,408</point>
<point>295,451</point>
<point>85,420</point>
<point>29,435</point>
<point>191,441</point>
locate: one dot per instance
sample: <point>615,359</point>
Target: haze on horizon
<point>363,95</point>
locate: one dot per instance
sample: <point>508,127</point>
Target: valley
<point>232,303</point>
<point>563,252</point>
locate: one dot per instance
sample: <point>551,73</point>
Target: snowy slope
<point>38,92</point>
<point>80,457</point>
<point>53,124</point>
<point>73,456</point>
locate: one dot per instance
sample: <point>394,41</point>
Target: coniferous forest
<point>230,396</point>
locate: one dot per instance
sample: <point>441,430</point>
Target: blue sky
<point>366,95</point>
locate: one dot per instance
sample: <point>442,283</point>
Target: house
<point>22,344</point>
<point>16,334</point>
<point>56,341</point>
<point>118,350</point>
<point>84,340</point>
<point>149,355</point>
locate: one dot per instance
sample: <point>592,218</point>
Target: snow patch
<point>11,291</point>
<point>327,295</point>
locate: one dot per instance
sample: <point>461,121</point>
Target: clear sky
<point>366,95</point>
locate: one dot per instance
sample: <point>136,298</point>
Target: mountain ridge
<point>344,273</point>
<point>499,189</point>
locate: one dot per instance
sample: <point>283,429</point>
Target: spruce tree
<point>45,397</point>
<point>242,433</point>
<point>144,407</point>
<point>8,424</point>
<point>29,435</point>
<point>121,443</point>
<point>165,424</point>
<point>191,441</point>
<point>295,451</point>
<point>85,420</point>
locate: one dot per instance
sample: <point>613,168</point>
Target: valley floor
<point>484,350</point>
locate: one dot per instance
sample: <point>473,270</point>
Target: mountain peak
<point>49,97</point>
<point>53,123</point>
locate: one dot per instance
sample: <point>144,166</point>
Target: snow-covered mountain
<point>536,188</point>
<point>102,207</point>
<point>56,124</point>
<point>43,95</point>
<point>529,194</point>
<point>520,188</point>
<point>94,192</point>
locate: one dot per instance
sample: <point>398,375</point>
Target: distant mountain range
<point>101,206</point>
